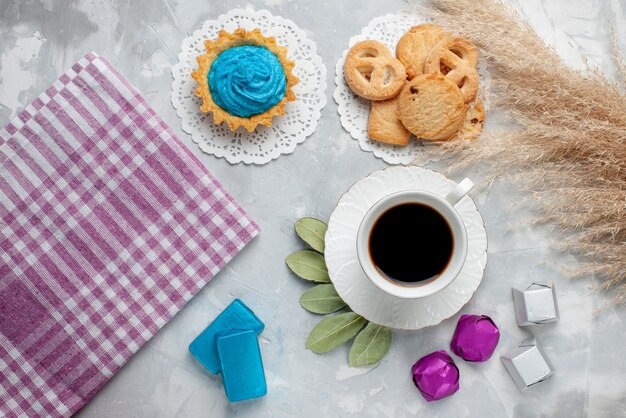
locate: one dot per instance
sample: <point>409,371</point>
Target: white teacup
<point>445,207</point>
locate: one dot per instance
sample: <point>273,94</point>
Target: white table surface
<point>40,39</point>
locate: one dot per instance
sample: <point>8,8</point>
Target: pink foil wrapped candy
<point>436,376</point>
<point>475,338</point>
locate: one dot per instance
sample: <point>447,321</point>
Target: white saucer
<point>359,292</point>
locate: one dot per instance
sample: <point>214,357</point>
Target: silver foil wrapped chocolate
<point>535,305</point>
<point>527,364</point>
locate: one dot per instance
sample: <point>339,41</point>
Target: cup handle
<point>459,191</point>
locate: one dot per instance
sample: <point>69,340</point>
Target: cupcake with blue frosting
<point>244,79</point>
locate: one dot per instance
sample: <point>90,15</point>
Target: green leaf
<point>309,265</point>
<point>370,346</point>
<point>333,331</point>
<point>312,232</point>
<point>322,299</point>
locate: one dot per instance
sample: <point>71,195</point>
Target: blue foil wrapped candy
<point>229,345</point>
<point>242,367</point>
<point>236,316</point>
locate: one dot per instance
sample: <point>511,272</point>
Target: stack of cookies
<point>428,89</point>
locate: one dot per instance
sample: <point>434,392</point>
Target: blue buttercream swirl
<point>247,80</point>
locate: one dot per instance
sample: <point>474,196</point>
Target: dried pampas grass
<point>571,138</point>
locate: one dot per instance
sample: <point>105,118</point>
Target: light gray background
<point>41,39</point>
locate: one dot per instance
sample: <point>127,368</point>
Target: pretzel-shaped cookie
<point>372,72</point>
<point>456,58</point>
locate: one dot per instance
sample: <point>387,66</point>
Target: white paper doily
<point>354,110</point>
<point>288,130</point>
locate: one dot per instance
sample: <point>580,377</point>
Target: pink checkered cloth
<point>108,226</point>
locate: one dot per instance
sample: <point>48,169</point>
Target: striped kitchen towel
<point>108,226</point>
